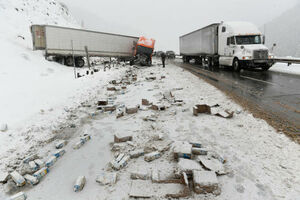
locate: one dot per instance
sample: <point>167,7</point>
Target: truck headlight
<point>271,56</point>
<point>247,57</point>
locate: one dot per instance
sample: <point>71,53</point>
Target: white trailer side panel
<point>201,42</point>
<point>59,42</point>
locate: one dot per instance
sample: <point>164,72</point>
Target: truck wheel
<point>236,65</point>
<point>69,61</point>
<point>79,62</point>
<point>265,68</point>
<point>131,63</point>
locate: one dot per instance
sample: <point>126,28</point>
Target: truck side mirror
<point>274,45</point>
<point>264,39</point>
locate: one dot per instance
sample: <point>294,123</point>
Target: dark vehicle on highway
<point>170,54</point>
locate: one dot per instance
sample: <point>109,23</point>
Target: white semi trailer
<point>234,44</point>
<point>61,43</point>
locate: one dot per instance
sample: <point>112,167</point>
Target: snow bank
<point>28,82</point>
<point>284,68</point>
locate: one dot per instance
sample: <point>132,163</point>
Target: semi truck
<point>69,45</point>
<point>233,44</point>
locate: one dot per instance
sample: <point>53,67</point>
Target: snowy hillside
<point>284,31</point>
<point>24,73</point>
<point>34,91</point>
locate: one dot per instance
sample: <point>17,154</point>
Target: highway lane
<point>274,95</point>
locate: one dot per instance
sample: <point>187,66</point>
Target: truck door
<point>229,49</point>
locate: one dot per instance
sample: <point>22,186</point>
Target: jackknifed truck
<point>233,44</point>
<point>69,45</point>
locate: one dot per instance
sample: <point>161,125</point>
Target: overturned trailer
<point>62,43</point>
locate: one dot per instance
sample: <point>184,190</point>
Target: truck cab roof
<point>240,28</point>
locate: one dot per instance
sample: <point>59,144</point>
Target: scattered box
<point>119,114</point>
<point>137,153</point>
<point>4,176</point>
<point>199,151</point>
<point>33,166</point>
<point>145,102</point>
<point>111,89</point>
<point>18,179</point>
<point>141,174</point>
<point>41,173</point>
<point>182,150</point>
<point>102,102</point>
<point>18,196</point>
<point>118,138</point>
<point>50,162</point>
<point>206,182</point>
<point>152,156</point>
<point>79,184</point>
<point>107,178</point>
<point>196,144</point>
<point>30,158</point>
<point>31,179</point>
<point>187,166</point>
<point>201,109</point>
<point>40,163</point>
<point>59,153</point>
<point>60,144</point>
<point>132,110</point>
<point>122,163</point>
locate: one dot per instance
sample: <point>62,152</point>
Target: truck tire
<point>236,65</point>
<point>79,62</point>
<point>131,62</point>
<point>69,61</point>
<point>265,68</point>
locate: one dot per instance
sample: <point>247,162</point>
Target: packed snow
<point>261,163</point>
<point>285,68</point>
<point>41,102</point>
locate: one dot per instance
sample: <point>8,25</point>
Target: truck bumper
<point>257,63</point>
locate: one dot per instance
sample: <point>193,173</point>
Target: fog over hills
<point>285,32</point>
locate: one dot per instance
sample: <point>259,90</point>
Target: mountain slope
<point>284,31</point>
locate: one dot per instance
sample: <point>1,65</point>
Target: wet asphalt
<point>275,93</point>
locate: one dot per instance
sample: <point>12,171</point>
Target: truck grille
<point>260,54</point>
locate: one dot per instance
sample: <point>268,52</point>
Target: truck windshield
<point>249,39</point>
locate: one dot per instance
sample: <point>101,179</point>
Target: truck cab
<point>241,45</point>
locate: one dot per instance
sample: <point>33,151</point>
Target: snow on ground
<point>263,163</point>
<point>284,68</point>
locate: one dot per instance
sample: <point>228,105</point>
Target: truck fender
<point>226,60</point>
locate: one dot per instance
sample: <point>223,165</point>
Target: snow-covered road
<point>263,163</point>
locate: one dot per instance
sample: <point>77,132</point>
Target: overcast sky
<point>166,20</point>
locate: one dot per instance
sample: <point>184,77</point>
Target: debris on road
<point>204,108</point>
<point>103,102</point>
<point>30,158</point>
<point>39,163</point>
<point>120,162</point>
<point>107,108</point>
<point>132,110</point>
<point>196,144</point>
<point>18,179</point>
<point>4,176</point>
<point>50,162</point>
<point>119,139</point>
<point>33,166</point>
<point>3,127</point>
<point>59,153</point>
<point>206,182</point>
<point>140,173</point>
<point>18,196</point>
<point>152,156</point>
<point>187,166</point>
<point>137,153</point>
<point>41,173</point>
<point>60,144</point>
<point>182,150</point>
<point>199,151</point>
<point>106,178</point>
<point>145,102</point>
<point>31,179</point>
<point>79,183</point>
<point>82,141</point>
